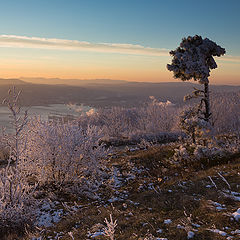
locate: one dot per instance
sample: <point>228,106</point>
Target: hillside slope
<point>154,198</point>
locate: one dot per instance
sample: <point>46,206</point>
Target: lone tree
<point>193,59</point>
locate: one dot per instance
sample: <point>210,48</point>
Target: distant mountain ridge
<point>11,81</point>
<point>101,92</point>
<point>71,82</point>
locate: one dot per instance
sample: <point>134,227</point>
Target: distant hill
<point>12,81</point>
<point>102,92</point>
<point>72,82</point>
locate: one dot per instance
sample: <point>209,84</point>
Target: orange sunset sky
<point>112,40</point>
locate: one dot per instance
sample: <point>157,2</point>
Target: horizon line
<point>90,79</point>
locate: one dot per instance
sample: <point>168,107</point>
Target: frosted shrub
<point>118,122</point>
<point>217,147</point>
<point>115,122</point>
<point>16,193</point>
<point>16,197</point>
<point>4,153</point>
<point>206,152</point>
<point>228,142</point>
<point>217,138</point>
<point>193,125</point>
<point>192,152</point>
<point>157,116</point>
<point>144,144</point>
<point>226,112</point>
<point>18,120</point>
<point>181,153</point>
<point>63,153</point>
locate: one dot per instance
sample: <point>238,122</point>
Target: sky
<point>110,39</point>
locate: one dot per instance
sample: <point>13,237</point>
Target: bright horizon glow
<point>112,40</point>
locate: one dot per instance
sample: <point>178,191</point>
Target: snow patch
<point>222,233</point>
<point>236,215</point>
<point>233,195</point>
<point>190,235</point>
<point>47,216</point>
<point>167,221</point>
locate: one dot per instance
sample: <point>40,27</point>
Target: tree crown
<point>194,59</point>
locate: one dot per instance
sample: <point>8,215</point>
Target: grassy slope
<point>161,189</point>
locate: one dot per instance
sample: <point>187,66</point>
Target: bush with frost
<point>220,136</point>
<point>156,116</point>
<point>16,197</point>
<point>193,125</point>
<point>119,121</point>
<point>18,120</point>
<point>215,147</point>
<point>61,153</point>
<point>208,152</point>
<point>226,112</point>
<point>115,122</point>
<point>16,192</point>
<point>228,142</point>
<point>181,153</point>
<point>42,153</point>
<point>151,118</point>
<point>4,153</point>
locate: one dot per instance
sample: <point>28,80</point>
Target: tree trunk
<point>207,103</point>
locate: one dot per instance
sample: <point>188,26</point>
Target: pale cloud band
<point>63,44</point>
<point>229,58</point>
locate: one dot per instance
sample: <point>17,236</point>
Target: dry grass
<point>162,190</point>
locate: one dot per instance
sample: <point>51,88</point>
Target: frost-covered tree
<point>18,120</point>
<point>16,194</point>
<point>193,59</point>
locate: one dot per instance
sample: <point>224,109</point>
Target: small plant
<point>109,230</point>
<point>193,125</point>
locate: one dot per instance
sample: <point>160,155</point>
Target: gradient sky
<point>127,39</point>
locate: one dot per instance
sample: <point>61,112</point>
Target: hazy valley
<point>100,93</point>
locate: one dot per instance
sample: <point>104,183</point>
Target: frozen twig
<point>212,182</point>
<point>71,235</point>
<point>109,230</point>
<point>224,179</point>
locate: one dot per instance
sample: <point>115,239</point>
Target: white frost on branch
<point>194,59</point>
<point>63,153</point>
<point>109,230</point>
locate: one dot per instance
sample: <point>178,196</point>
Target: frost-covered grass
<point>153,197</point>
